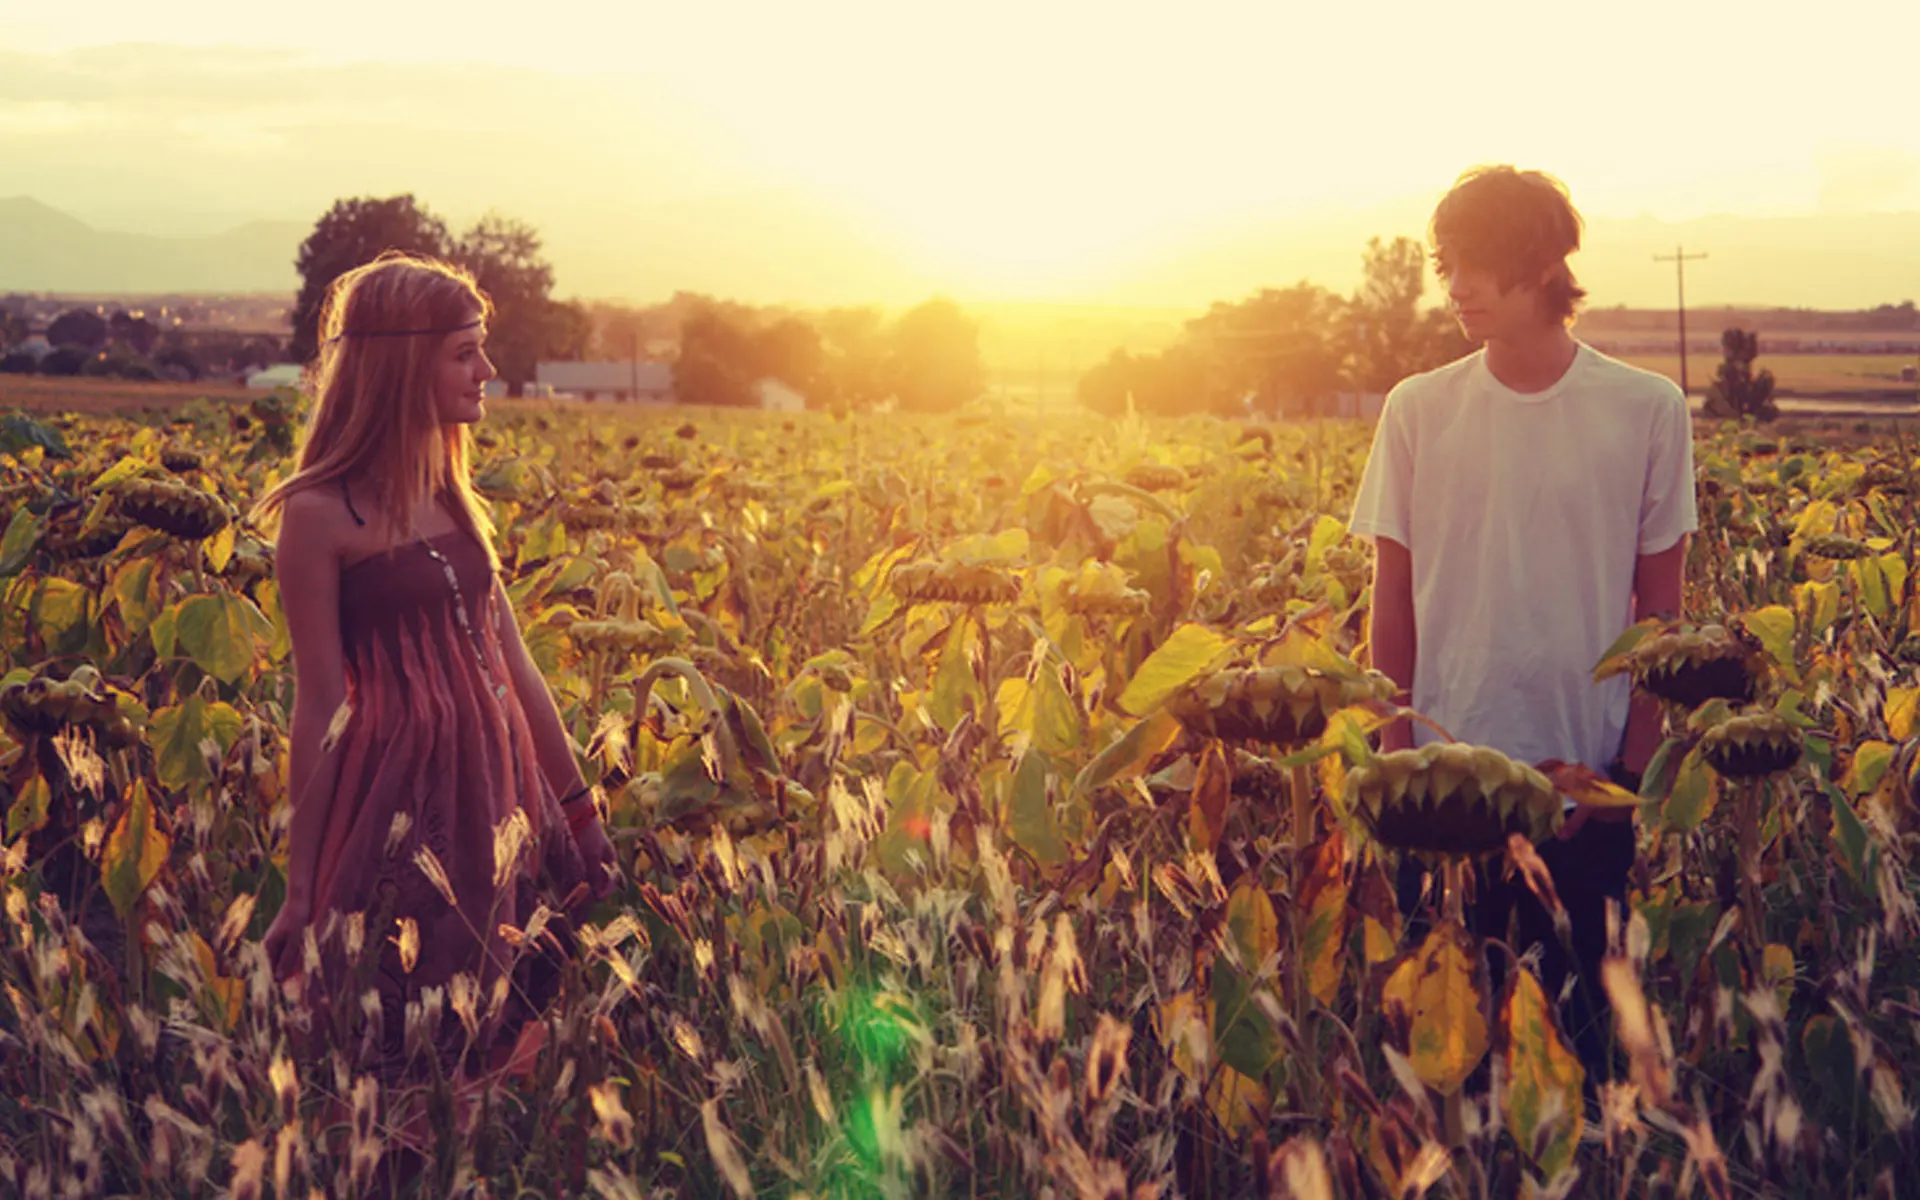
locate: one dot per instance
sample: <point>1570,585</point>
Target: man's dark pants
<point>1588,869</point>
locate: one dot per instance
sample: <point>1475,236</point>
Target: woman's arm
<point>551,745</point>
<point>307,572</point>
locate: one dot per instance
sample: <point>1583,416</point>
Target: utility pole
<point>1679,258</point>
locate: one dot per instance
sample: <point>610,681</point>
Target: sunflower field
<point>997,817</point>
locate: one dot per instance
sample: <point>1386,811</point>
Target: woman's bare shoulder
<point>314,521</point>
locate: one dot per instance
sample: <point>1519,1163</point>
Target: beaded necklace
<point>497,686</point>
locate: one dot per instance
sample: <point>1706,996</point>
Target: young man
<point>1526,504</point>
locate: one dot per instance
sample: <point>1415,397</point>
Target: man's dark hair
<point>1521,225</point>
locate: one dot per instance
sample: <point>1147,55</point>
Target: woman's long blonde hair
<point>374,415</point>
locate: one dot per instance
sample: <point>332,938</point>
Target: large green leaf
<point>1191,652</point>
<point>137,594</point>
<point>224,634</point>
<point>1773,625</point>
<point>1695,788</point>
<point>60,608</point>
<point>176,734</point>
<point>23,534</point>
<point>136,850</point>
<point>1029,817</point>
<point>1130,753</point>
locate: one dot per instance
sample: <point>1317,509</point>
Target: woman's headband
<point>347,333</point>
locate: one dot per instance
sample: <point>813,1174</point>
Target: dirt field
<point>48,394</point>
<point>1838,376</point>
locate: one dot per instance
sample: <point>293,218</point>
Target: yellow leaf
<point>1252,925</point>
<point>1900,709</point>
<point>1378,940</point>
<point>1436,991</point>
<point>1238,1103</point>
<point>1869,763</point>
<point>1543,1101</point>
<point>1325,897</point>
<point>1190,652</point>
<point>136,850</point>
<point>1212,788</point>
<point>1776,971</point>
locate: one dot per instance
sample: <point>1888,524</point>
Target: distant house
<point>277,376</point>
<point>645,382</point>
<point>36,347</point>
<point>778,397</point>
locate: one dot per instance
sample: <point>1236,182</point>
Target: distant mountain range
<point>44,250</point>
<point>1828,261</point>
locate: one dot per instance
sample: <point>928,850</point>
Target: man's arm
<point>1390,631</point>
<point>1658,581</point>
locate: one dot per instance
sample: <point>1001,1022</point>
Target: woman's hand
<point>590,838</point>
<point>603,864</point>
<point>284,936</point>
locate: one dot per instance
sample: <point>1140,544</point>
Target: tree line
<point>1282,350</point>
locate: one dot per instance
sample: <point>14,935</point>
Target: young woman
<point>419,721</point>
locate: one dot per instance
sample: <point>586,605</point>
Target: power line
<point>1679,258</point>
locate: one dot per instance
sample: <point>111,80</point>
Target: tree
<point>1106,385</point>
<point>78,327</point>
<point>66,360</point>
<point>13,328</point>
<point>790,350</point>
<point>350,234</point>
<point>1392,337</point>
<point>136,333</point>
<point>1279,349</point>
<point>854,358</point>
<point>506,260</point>
<point>569,334</point>
<point>717,362</point>
<point>1736,390</point>
<point>933,364</point>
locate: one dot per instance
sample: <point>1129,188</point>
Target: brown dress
<point>436,736</point>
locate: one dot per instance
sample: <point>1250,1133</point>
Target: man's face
<point>1486,310</point>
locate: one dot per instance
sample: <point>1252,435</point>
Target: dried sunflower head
<point>1690,665</point>
<point>1452,799</point>
<point>1100,590</point>
<point>933,580</point>
<point>615,635</point>
<point>71,535</point>
<point>1834,546</point>
<point>174,508</point>
<point>45,705</point>
<point>180,459</point>
<point>1155,477</point>
<point>1751,745</point>
<point>1283,705</point>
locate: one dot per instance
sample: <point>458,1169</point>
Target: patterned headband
<point>347,333</point>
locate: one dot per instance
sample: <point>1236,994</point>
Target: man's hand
<point>1595,798</point>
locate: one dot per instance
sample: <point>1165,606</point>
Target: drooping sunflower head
<point>1751,745</point>
<point>1689,665</point>
<point>1282,705</point>
<point>1451,799</point>
<point>939,580</point>
<point>174,508</point>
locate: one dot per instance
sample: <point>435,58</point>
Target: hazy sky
<point>839,149</point>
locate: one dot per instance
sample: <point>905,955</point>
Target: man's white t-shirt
<point>1524,514</point>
